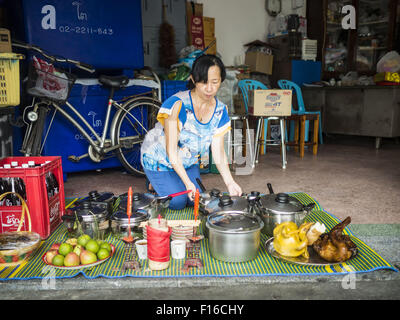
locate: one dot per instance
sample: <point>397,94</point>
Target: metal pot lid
<point>87,210</point>
<point>136,217</point>
<point>234,221</point>
<point>227,203</point>
<point>96,197</point>
<point>281,203</point>
<point>139,201</point>
<point>102,196</point>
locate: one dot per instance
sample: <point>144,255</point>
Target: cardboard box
<point>213,48</point>
<point>193,9</point>
<point>259,62</point>
<point>209,27</point>
<point>270,103</point>
<point>5,40</point>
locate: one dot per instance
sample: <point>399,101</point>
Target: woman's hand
<point>234,189</point>
<point>191,186</point>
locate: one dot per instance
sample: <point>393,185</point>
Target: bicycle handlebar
<point>81,65</point>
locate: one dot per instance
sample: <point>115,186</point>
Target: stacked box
<point>45,209</point>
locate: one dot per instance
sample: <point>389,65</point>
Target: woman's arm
<point>171,139</point>
<point>221,161</point>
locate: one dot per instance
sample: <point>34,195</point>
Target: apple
<point>87,257</point>
<point>71,259</point>
<point>55,246</point>
<point>50,255</point>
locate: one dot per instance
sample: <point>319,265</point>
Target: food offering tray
<point>314,259</point>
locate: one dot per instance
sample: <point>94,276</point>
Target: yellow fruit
<point>92,246</point>
<point>72,241</point>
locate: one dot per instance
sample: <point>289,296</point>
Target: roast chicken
<point>335,246</point>
<point>291,241</point>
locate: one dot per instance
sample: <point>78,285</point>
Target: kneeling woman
<point>189,122</point>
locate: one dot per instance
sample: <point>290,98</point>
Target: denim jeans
<point>168,182</point>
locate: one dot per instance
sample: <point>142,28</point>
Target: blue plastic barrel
<point>170,87</point>
<point>106,34</point>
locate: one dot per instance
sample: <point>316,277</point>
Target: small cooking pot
<point>281,207</point>
<point>234,236</point>
<point>152,204</point>
<point>100,199</point>
<point>88,218</point>
<point>120,223</point>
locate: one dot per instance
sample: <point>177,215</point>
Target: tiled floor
<point>348,177</point>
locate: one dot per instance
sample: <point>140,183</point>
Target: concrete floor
<point>348,177</point>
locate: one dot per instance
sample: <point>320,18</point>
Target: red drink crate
<point>45,212</point>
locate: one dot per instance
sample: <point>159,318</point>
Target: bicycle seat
<point>114,81</point>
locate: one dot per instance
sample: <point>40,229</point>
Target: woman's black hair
<point>200,68</point>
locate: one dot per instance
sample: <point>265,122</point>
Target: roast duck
<point>335,246</point>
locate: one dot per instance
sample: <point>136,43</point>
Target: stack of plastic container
<point>39,180</point>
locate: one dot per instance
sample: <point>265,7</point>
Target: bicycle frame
<point>98,144</point>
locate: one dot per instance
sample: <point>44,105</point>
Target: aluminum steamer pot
<point>234,236</point>
<point>278,208</point>
<point>153,205</point>
<point>93,219</point>
<point>99,199</point>
<point>120,223</point>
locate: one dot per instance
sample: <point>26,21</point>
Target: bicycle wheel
<point>130,127</point>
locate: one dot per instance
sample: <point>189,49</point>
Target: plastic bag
<point>390,62</point>
<point>350,79</point>
<point>49,82</point>
<point>228,89</point>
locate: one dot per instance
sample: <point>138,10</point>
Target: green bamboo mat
<point>264,265</point>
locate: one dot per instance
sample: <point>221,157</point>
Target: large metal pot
<point>222,203</point>
<point>120,223</point>
<point>88,218</point>
<point>281,207</point>
<point>153,205</point>
<point>234,236</point>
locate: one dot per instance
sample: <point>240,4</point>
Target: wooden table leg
<point>302,134</point>
<point>296,134</point>
<point>315,139</point>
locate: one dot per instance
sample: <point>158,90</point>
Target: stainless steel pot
<point>152,204</point>
<point>234,236</point>
<point>204,201</point>
<point>281,207</point>
<point>99,199</point>
<point>120,223</point>
<point>87,218</point>
<point>222,203</point>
